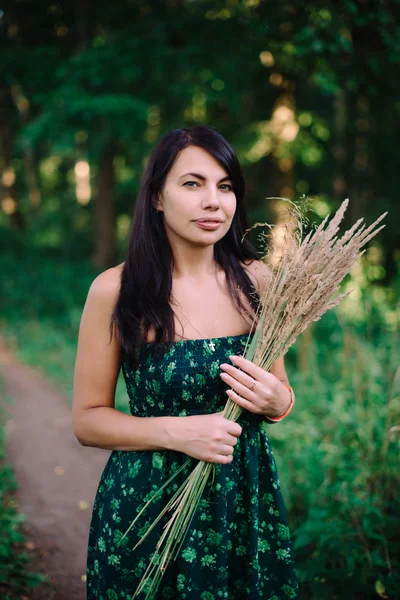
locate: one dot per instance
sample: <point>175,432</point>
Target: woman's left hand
<point>255,389</point>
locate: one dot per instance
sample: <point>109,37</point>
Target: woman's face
<point>197,200</point>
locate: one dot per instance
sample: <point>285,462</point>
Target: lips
<point>208,221</point>
<point>208,224</point>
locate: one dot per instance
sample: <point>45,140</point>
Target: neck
<point>193,263</point>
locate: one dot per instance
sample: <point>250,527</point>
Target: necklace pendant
<point>212,346</point>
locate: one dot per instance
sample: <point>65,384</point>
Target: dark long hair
<point>146,280</point>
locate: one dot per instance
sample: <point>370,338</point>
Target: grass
<point>338,462</point>
<point>16,575</point>
<point>41,302</point>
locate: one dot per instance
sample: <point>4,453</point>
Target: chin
<point>210,241</point>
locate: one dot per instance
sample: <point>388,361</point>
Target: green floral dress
<point>238,546</point>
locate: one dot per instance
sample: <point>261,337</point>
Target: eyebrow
<point>202,178</point>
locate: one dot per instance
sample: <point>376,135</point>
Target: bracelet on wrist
<point>287,411</point>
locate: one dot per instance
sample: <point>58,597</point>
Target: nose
<point>211,199</point>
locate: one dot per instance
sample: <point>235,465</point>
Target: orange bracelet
<point>287,411</point>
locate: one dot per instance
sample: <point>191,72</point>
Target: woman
<point>174,316</point>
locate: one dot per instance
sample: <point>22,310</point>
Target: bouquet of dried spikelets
<point>303,284</point>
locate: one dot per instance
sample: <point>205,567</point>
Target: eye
<point>227,187</point>
<point>188,183</point>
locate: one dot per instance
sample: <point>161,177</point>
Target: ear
<point>157,203</point>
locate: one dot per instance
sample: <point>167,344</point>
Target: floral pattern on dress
<point>238,546</point>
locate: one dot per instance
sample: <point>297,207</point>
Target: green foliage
<point>127,73</point>
<point>40,319</point>
<point>15,576</point>
<point>338,459</point>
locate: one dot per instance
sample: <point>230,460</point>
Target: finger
<point>239,375</point>
<point>249,367</point>
<point>240,388</point>
<point>223,459</point>
<point>243,402</point>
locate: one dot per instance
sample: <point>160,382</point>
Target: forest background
<point>308,93</point>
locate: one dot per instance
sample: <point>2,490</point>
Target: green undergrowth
<point>338,460</point>
<point>41,303</point>
<point>337,453</point>
<point>16,572</point>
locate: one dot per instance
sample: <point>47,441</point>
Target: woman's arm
<point>259,274</point>
<point>95,420</point>
<point>278,369</point>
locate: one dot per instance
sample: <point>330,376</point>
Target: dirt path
<point>57,477</point>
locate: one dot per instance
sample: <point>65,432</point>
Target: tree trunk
<point>105,244</point>
<point>363,166</point>
<point>85,14</point>
<point>31,180</point>
<point>340,184</point>
<point>9,196</point>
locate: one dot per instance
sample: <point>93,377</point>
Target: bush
<point>338,461</point>
<point>15,578</point>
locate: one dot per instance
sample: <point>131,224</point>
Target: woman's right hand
<point>207,437</point>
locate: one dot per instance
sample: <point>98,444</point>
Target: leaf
<point>380,589</point>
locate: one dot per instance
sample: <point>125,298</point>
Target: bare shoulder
<point>100,303</point>
<point>258,271</point>
<point>98,353</point>
<point>105,287</point>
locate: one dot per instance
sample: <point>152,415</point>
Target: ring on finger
<point>253,384</point>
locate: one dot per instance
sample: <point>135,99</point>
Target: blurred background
<point>308,94</point>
